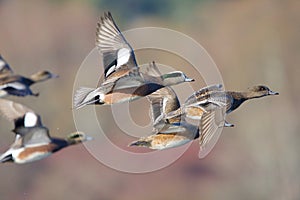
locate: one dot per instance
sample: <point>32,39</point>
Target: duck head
<point>42,76</point>
<point>77,137</point>
<point>261,90</point>
<point>175,77</point>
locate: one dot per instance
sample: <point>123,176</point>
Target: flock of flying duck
<point>123,82</point>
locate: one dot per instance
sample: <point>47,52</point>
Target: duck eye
<point>261,88</point>
<point>75,136</point>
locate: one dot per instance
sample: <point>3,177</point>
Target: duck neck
<point>237,99</point>
<point>71,141</point>
<point>251,95</point>
<point>243,96</point>
<point>58,143</point>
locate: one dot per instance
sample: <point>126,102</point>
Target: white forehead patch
<point>123,57</point>
<point>2,64</point>
<point>30,119</point>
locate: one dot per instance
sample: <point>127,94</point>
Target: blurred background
<point>252,42</point>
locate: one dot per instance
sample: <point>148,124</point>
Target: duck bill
<point>273,93</point>
<point>89,138</point>
<point>54,76</point>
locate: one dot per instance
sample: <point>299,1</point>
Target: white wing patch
<point>111,70</point>
<point>164,104</point>
<point>30,119</point>
<point>123,57</point>
<point>16,85</point>
<point>2,64</point>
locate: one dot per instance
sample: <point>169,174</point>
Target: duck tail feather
<point>140,143</point>
<point>6,158</point>
<point>80,97</point>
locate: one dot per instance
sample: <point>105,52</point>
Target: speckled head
<point>77,137</point>
<point>262,90</point>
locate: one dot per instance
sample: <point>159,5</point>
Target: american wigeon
<point>177,131</point>
<point>12,84</point>
<point>206,99</point>
<point>123,80</point>
<point>32,141</point>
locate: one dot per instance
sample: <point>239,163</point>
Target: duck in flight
<point>32,139</point>
<point>209,97</point>
<point>177,131</point>
<point>123,80</point>
<point>17,85</point>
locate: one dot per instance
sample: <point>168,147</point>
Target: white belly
<point>170,144</point>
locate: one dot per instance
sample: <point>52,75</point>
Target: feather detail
<point>11,110</point>
<point>84,96</point>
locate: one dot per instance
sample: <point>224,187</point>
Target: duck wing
<point>151,73</point>
<point>19,92</point>
<point>210,129</point>
<point>202,94</point>
<point>118,55</point>
<point>205,99</point>
<point>31,130</point>
<point>16,85</point>
<point>32,136</point>
<point>28,125</point>
<point>5,69</point>
<point>12,111</point>
<point>162,102</point>
<point>126,83</point>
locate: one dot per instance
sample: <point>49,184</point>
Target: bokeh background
<point>252,42</point>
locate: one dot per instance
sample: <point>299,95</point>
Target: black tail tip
<point>7,158</point>
<point>139,143</point>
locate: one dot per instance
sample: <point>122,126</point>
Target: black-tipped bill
<point>54,76</point>
<point>273,93</point>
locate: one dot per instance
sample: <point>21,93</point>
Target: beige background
<point>252,42</point>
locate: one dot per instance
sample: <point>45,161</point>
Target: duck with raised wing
<point>17,85</point>
<point>208,98</point>
<point>32,140</point>
<point>177,131</point>
<point>123,80</point>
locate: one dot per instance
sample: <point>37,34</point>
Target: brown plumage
<point>17,85</point>
<point>210,97</point>
<point>176,131</point>
<point>122,80</point>
<point>32,141</point>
